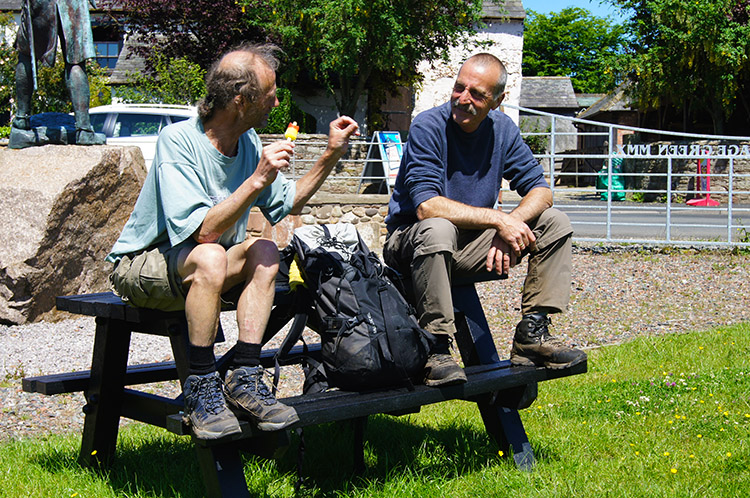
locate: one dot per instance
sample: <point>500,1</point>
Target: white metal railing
<point>666,199</point>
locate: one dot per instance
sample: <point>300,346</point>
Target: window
<point>137,125</point>
<point>107,53</point>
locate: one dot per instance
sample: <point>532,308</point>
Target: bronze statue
<point>42,23</point>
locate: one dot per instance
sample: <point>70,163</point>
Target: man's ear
<point>499,100</point>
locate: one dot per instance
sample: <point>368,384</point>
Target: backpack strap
<point>389,311</point>
<point>294,335</point>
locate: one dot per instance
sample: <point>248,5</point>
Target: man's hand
<point>508,244</point>
<point>274,157</point>
<point>339,132</point>
<point>516,234</point>
<point>500,258</point>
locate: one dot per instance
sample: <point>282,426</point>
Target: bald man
<point>185,245</point>
<point>443,223</point>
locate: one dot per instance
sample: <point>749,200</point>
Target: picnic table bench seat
<point>499,389</point>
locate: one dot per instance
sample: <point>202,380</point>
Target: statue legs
<point>78,86</point>
<point>24,83</point>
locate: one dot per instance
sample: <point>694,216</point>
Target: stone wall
<point>345,178</point>
<point>366,212</point>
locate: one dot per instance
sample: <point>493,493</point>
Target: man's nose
<point>465,97</point>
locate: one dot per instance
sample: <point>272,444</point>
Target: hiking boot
<point>441,369</point>
<point>247,391</point>
<point>205,407</point>
<point>534,346</point>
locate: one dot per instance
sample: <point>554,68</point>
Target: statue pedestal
<point>49,128</point>
<point>41,135</point>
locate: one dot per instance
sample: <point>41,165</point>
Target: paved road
<point>648,222</point>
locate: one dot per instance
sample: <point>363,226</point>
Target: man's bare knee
<point>261,259</point>
<point>209,263</point>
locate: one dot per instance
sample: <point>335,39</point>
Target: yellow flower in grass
<point>666,453</point>
<point>673,470</point>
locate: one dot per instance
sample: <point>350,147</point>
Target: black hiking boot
<point>534,346</point>
<point>247,391</point>
<point>206,409</point>
<point>441,369</point>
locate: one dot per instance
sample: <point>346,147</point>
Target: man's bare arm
<point>339,133</point>
<point>225,214</point>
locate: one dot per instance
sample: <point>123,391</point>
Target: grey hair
<point>488,60</point>
<point>227,78</point>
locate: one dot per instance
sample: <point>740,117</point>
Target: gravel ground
<point>617,294</point>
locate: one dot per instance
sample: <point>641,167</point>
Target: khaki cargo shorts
<point>150,279</point>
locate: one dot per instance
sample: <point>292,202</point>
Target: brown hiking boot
<point>441,369</point>
<point>247,391</point>
<point>534,346</point>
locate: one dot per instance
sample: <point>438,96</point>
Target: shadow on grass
<point>395,448</point>
<point>152,466</point>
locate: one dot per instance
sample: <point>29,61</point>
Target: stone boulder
<point>61,209</point>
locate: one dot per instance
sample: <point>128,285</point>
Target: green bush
<point>537,143</point>
<point>285,113</point>
<point>177,81</point>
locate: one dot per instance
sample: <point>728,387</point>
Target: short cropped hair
<point>225,80</point>
<point>488,60</point>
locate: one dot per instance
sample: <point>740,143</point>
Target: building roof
<point>612,102</point>
<point>588,99</point>
<point>548,92</point>
<point>127,62</point>
<point>512,9</point>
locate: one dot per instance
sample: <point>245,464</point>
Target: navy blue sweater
<point>440,159</point>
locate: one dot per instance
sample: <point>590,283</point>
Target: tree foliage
<point>197,30</point>
<point>573,43</point>
<point>174,81</point>
<point>7,65</point>
<point>353,45</point>
<point>344,46</point>
<point>693,55</point>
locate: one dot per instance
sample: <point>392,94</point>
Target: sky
<point>593,6</point>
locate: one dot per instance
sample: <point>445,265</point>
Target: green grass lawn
<point>667,416</point>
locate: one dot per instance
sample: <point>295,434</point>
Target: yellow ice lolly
<point>291,131</point>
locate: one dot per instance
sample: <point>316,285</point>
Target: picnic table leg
<point>222,470</point>
<point>478,348</point>
<point>109,364</point>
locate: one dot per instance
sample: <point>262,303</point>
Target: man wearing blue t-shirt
<point>185,244</point>
<point>442,222</point>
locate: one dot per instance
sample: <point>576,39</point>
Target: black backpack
<point>369,335</point>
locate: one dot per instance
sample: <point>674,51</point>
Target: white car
<point>137,124</point>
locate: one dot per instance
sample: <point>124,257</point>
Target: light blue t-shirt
<point>187,178</point>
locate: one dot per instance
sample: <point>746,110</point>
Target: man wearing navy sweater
<point>442,222</point>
